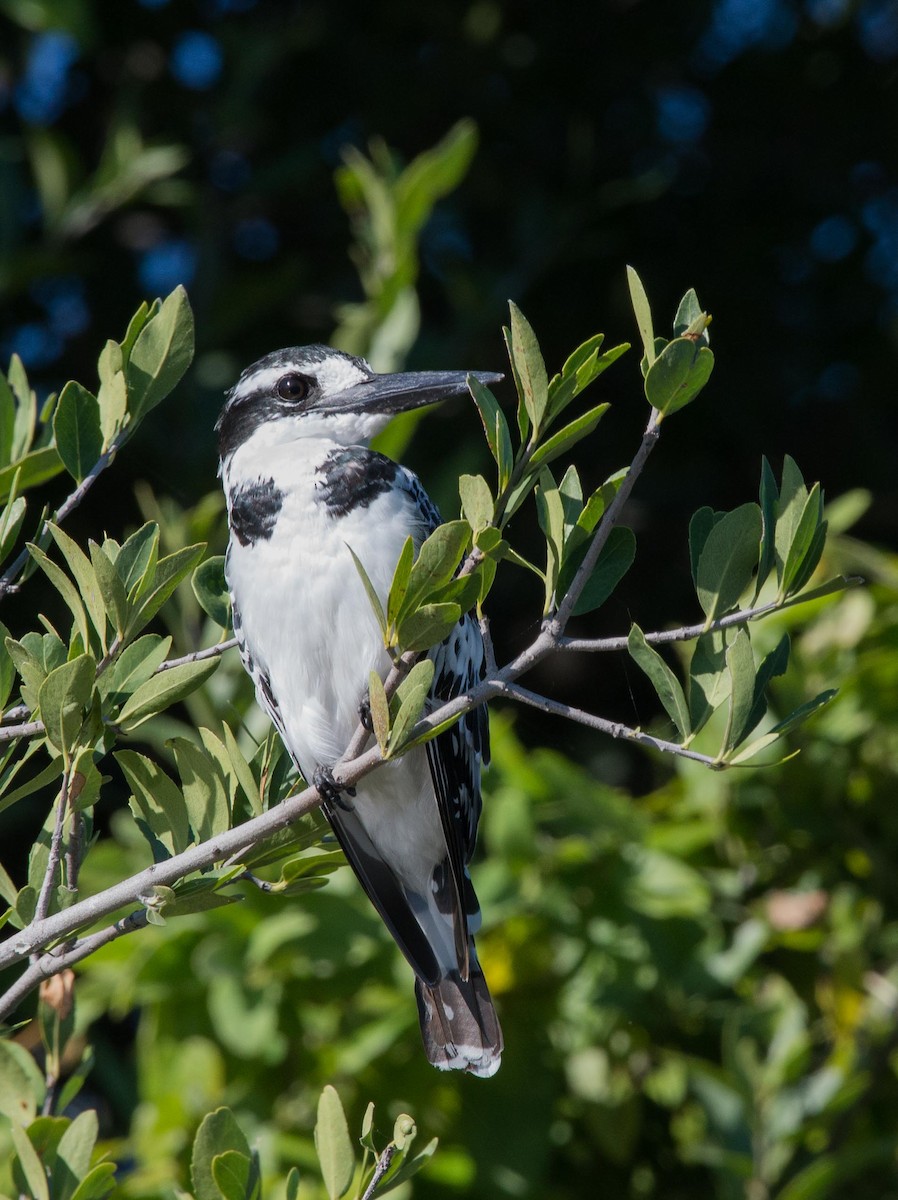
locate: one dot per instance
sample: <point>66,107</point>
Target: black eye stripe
<point>294,387</point>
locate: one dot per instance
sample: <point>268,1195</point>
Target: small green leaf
<point>35,468</point>
<point>11,521</point>
<point>380,711</point>
<point>550,512</point>
<point>437,561</point>
<point>428,625</point>
<point>709,678</point>
<point>76,425</point>
<point>232,1172</point>
<point>333,1145</point>
<point>399,583</point>
<point>97,1184</point>
<point>768,497</point>
<point>112,397</point>
<point>799,715</point>
<point>773,665</point>
<point>162,352</point>
<point>28,1170</point>
<point>211,590</point>
<point>702,522</point>
<point>112,590</point>
<point>25,401</point>
<point>292,1184</point>
<point>595,506</point>
<point>643,312</point>
<point>85,577</point>
<point>678,374</point>
<point>134,666</point>
<point>529,368</point>
<point>495,427</point>
<point>728,557</point>
<point>162,690</point>
<point>476,501</point>
<point>741,665</point>
<point>156,802</point>
<point>22,1085</point>
<point>66,589</point>
<point>808,534</point>
<point>242,771</point>
<point>569,436</point>
<point>613,563</point>
<point>204,787</point>
<point>374,600</point>
<point>167,574</point>
<point>367,1137</point>
<point>77,1144</point>
<point>662,678</point>
<point>218,1133</point>
<point>136,560</point>
<point>839,584</point>
<point>410,699</point>
<point>64,695</point>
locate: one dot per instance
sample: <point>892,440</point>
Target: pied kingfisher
<point>302,486</point>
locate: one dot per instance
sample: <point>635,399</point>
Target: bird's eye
<point>293,387</point>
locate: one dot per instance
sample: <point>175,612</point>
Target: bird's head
<point>314,391</point>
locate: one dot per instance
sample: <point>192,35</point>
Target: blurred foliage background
<point>697,972</point>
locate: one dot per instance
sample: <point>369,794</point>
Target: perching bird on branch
<point>302,486</point>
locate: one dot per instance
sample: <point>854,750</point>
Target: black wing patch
<point>351,477</point>
<point>254,510</point>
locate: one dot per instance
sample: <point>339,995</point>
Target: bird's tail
<point>459,1023</point>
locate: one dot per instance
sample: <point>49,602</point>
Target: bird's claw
<point>365,714</point>
<point>328,788</point>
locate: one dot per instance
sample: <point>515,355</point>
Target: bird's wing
<point>455,759</point>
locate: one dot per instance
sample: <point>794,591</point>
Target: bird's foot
<point>328,788</point>
<point>365,714</point>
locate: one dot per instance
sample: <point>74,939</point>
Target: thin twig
<point>613,728</point>
<point>197,655</point>
<point>557,621</point>
<point>42,907</point>
<point>9,577</point>
<point>383,1165</point>
<point>666,636</point>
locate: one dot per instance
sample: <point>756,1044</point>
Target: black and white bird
<point>302,485</point>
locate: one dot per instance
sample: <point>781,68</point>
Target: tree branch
<point>71,502</point>
<point>666,636</point>
<point>43,900</point>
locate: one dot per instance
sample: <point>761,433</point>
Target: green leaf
<point>568,436</point>
<point>134,666</point>
<point>678,374</point>
<point>35,468</point>
<point>613,563</point>
<point>374,600</point>
<point>22,1085</point>
<point>242,771</point>
<point>136,560</point>
<point>773,665</point>
<point>112,590</point>
<point>167,574</point>
<point>11,521</point>
<point>662,678</point>
<point>643,313</point>
<point>76,425</point>
<point>799,715</point>
<point>64,695</point>
<point>66,589</point>
<point>702,522</point>
<point>808,534</point>
<point>410,699</point>
<point>292,1184</point>
<point>25,401</point>
<point>97,1184</point>
<point>333,1145</point>
<point>709,678</point>
<point>594,508</point>
<point>399,583</point>
<point>380,711</point>
<point>161,354</point>
<point>218,1133</point>
<point>496,429</point>
<point>437,561</point>
<point>204,788</point>
<point>476,501</point>
<point>157,803</point>
<point>233,1175</point>
<point>550,512</point>
<point>768,497</point>
<point>85,577</point>
<point>741,664</point>
<point>28,1170</point>
<point>428,625</point>
<point>728,557</point>
<point>689,312</point>
<point>162,690</point>
<point>367,1136</point>
<point>839,584</point>
<point>211,590</point>
<point>112,397</point>
<point>529,368</point>
<point>75,1149</point>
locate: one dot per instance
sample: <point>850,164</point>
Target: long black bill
<point>405,390</point>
